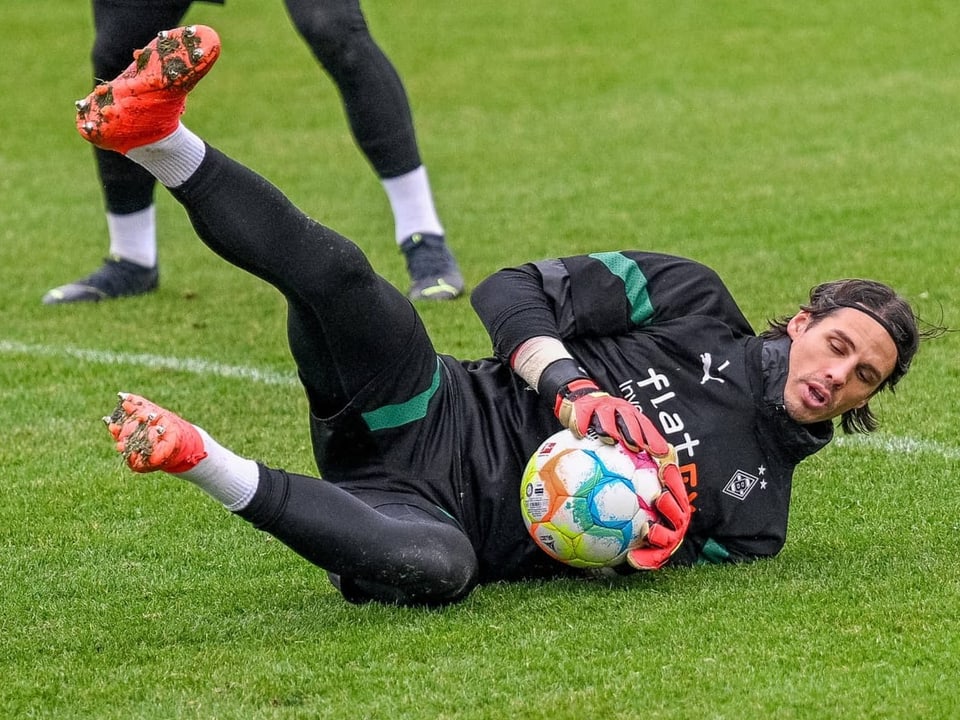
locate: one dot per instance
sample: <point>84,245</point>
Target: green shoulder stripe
<point>391,416</point>
<point>634,281</point>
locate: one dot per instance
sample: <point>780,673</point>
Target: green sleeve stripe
<point>634,281</point>
<point>391,416</point>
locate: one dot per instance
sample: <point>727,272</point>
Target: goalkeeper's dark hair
<point>884,305</point>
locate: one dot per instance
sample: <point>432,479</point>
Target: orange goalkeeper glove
<point>665,535</point>
<point>581,406</point>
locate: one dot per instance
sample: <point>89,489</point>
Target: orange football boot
<point>144,103</point>
<point>152,438</point>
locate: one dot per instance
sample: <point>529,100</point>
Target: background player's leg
<point>120,27</point>
<point>378,112</point>
<point>373,95</point>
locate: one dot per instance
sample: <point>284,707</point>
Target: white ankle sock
<point>224,475</point>
<point>133,236</point>
<point>172,160</point>
<point>412,203</point>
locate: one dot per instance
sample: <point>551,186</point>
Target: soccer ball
<point>587,503</point>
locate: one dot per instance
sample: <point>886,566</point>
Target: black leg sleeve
<point>346,325</point>
<point>349,331</point>
<point>373,95</point>
<point>398,555</point>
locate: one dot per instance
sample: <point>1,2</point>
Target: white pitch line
<point>885,443</point>
<point>195,366</point>
<point>900,445</point>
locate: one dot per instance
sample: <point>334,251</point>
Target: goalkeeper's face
<point>837,363</point>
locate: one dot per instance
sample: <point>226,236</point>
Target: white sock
<point>412,203</point>
<point>133,236</point>
<point>172,160</point>
<point>224,475</point>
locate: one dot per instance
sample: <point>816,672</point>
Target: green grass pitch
<point>782,143</point>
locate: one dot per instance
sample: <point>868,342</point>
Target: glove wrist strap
<point>576,389</point>
<point>557,376</point>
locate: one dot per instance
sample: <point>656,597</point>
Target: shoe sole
<point>440,290</point>
<point>144,103</point>
<point>151,438</point>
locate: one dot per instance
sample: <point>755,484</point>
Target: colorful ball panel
<point>586,503</point>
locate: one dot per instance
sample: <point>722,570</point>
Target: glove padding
<point>581,406</point>
<point>665,536</point>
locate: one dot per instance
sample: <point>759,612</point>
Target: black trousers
<point>373,96</point>
<point>359,346</point>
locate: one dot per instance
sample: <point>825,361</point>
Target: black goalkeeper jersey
<point>664,333</point>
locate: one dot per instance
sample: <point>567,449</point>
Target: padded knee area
<point>439,576</point>
<point>331,30</point>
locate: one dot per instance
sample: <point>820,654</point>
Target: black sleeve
<point>513,307</point>
<point>598,295</point>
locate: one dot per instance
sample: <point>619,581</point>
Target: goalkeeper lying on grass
<point>421,454</point>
